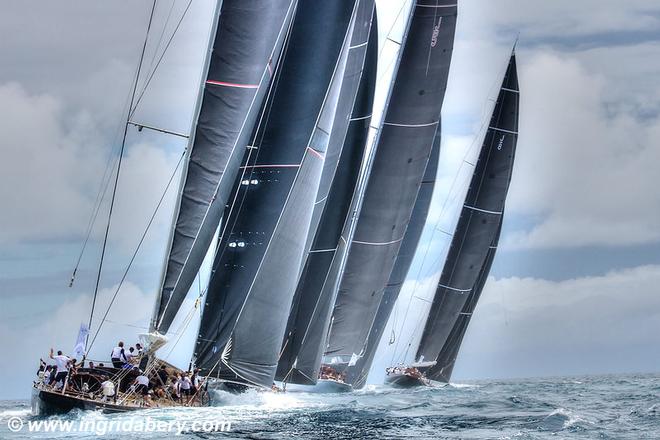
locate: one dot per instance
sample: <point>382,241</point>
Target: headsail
<point>245,47</point>
<point>260,254</point>
<point>310,313</point>
<point>401,156</point>
<point>476,235</point>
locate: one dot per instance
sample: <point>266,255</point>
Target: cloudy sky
<point>574,288</point>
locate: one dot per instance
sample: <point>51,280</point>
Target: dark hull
<point>329,386</point>
<point>405,381</point>
<point>50,402</point>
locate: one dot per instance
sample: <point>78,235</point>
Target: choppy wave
<point>613,407</point>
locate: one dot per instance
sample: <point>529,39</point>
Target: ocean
<point>591,407</point>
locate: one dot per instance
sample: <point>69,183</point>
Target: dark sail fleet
<point>259,256</point>
<point>310,313</point>
<point>317,211</point>
<point>401,156</point>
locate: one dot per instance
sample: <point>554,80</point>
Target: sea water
<point>603,407</point>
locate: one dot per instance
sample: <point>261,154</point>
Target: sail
<point>310,314</point>
<point>358,374</point>
<point>470,252</point>
<point>245,46</point>
<point>260,253</point>
<point>444,364</point>
<point>402,152</point>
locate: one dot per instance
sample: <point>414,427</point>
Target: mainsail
<point>404,258</point>
<point>310,314</point>
<point>246,44</point>
<point>401,156</point>
<point>476,236</point>
<point>260,253</point>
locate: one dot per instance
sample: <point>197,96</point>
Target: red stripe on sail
<point>228,84</point>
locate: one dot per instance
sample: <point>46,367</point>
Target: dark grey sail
<point>310,313</point>
<point>260,253</point>
<point>444,366</point>
<point>470,253</point>
<point>358,375</point>
<point>245,47</point>
<point>402,153</point>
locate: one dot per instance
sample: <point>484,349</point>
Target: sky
<point>574,287</point>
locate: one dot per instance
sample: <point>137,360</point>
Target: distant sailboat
<point>473,246</point>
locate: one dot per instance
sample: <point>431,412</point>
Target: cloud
<point>585,167</point>
<point>52,165</point>
<point>527,326</point>
<point>560,19</point>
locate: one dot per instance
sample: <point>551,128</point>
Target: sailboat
<point>400,157</point>
<point>266,107</point>
<point>473,247</point>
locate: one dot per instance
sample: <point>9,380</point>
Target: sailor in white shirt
<point>108,389</point>
<point>118,357</point>
<point>141,384</point>
<point>61,363</point>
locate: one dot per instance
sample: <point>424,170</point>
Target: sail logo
<point>436,32</point>
<point>501,143</point>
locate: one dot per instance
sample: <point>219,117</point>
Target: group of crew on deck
<point>329,373</point>
<point>135,379</point>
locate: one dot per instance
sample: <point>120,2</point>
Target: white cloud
<point>52,167</point>
<point>526,326</point>
<point>560,18</point>
<point>586,169</point>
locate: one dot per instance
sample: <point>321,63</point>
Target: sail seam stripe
<point>483,210</point>
<point>230,84</point>
<point>506,89</point>
<point>359,118</point>
<point>454,288</point>
<point>437,6</point>
<point>322,250</point>
<point>429,124</point>
<point>317,153</point>
<point>271,166</point>
<point>359,45</point>
<point>503,130</point>
<point>377,244</point>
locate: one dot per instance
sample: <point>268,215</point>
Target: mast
<point>476,235</point>
<point>260,253</point>
<point>401,156</point>
<point>310,314</point>
<point>245,44</point>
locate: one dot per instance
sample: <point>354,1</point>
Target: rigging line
<point>162,55</point>
<point>480,134</point>
<point>160,37</point>
<point>116,182</point>
<point>103,188</point>
<point>389,33</point>
<point>144,234</point>
<point>435,229</point>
